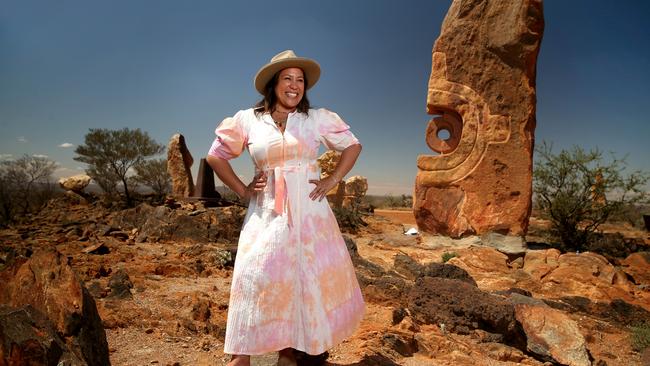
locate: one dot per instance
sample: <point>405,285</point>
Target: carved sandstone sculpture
<point>482,93</point>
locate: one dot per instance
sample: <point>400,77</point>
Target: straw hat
<point>283,60</point>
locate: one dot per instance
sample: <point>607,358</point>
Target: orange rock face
<point>482,92</point>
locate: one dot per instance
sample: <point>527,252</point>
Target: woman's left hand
<point>322,187</point>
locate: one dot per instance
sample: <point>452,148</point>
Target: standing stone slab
<point>482,92</point>
<point>179,162</point>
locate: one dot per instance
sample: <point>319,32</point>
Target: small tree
<point>112,153</point>
<point>105,178</point>
<point>25,185</point>
<point>153,173</point>
<point>579,191</point>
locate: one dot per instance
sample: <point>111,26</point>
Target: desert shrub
<point>153,174</point>
<point>631,214</point>
<point>390,201</point>
<point>111,154</point>
<point>640,336</point>
<point>349,219</point>
<point>26,184</point>
<point>578,191</point>
<point>446,256</point>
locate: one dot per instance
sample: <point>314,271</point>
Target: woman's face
<point>290,88</point>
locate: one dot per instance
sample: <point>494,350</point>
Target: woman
<point>293,285</point>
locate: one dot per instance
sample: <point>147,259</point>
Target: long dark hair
<point>267,104</point>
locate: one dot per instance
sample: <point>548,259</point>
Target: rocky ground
<point>160,278</point>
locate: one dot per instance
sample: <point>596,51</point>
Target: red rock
<point>539,263</point>
<point>487,266</point>
<point>552,334</point>
<point>589,275</point>
<point>482,86</point>
<point>27,337</point>
<point>47,282</point>
<point>637,265</point>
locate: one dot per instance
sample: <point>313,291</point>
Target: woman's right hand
<point>257,185</point>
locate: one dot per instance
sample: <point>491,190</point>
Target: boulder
<point>161,223</point>
<point>179,163</point>
<point>616,312</point>
<point>355,189</point>
<point>552,335</point>
<point>407,266</point>
<point>482,93</point>
<point>356,186</point>
<point>508,244</point>
<point>637,266</point>
<point>48,284</point>
<point>449,271</point>
<point>75,183</point>
<point>28,337</point>
<point>487,266</point>
<point>461,307</point>
<point>327,163</point>
<point>539,263</point>
<point>589,275</point>
<point>120,285</point>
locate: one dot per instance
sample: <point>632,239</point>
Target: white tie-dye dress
<point>293,284</point>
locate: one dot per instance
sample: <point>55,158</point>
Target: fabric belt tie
<point>281,195</point>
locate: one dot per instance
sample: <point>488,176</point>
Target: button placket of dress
<point>280,185</point>
<point>297,232</point>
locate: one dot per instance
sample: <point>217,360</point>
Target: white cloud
<point>6,157</point>
<point>22,139</point>
<point>66,145</point>
<point>41,156</point>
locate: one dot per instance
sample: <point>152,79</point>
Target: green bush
<point>111,154</point>
<point>389,201</point>
<point>640,335</point>
<point>578,191</point>
<point>448,255</point>
<point>349,219</point>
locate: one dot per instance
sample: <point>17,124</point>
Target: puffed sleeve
<point>334,133</point>
<point>231,138</point>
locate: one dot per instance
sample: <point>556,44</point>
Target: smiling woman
<point>293,285</point>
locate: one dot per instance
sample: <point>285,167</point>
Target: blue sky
<point>172,66</point>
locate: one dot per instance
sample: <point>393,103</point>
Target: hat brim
<point>310,67</point>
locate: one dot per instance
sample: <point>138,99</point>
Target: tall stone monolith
<point>482,94</point>
<point>179,163</point>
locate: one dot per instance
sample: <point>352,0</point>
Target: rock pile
<point>526,313</point>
